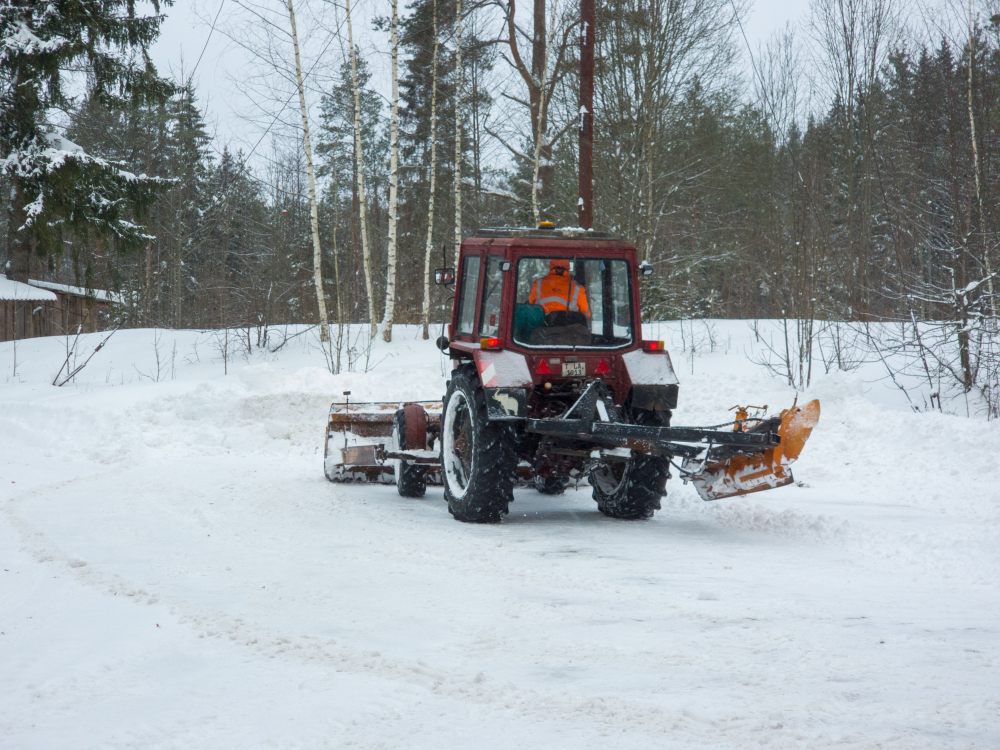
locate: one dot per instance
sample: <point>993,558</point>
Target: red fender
<point>416,427</point>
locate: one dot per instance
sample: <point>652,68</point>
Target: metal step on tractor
<point>552,382</point>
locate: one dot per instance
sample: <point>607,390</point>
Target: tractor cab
<point>536,290</point>
<point>553,309</point>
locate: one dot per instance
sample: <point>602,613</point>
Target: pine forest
<point>843,170</point>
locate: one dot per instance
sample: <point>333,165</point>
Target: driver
<point>556,291</point>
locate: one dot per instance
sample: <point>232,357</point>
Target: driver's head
<point>559,267</point>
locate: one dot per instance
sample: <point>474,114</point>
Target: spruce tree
<point>417,41</point>
<point>136,136</point>
<point>335,145</point>
<point>54,186</point>
<point>188,208</point>
<point>336,136</point>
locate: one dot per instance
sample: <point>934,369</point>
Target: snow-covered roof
<point>16,290</point>
<point>59,143</point>
<point>78,291</point>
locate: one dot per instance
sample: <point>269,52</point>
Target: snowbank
<point>176,572</point>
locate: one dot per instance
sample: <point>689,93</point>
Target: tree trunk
<point>476,138</point>
<point>362,206</point>
<point>426,311</point>
<point>336,269</point>
<point>148,308</point>
<point>544,169</point>
<point>21,246</point>
<point>324,322</point>
<point>541,119</point>
<point>585,202</point>
<point>224,283</point>
<point>532,80</point>
<point>536,93</point>
<point>178,291</point>
<point>390,284</point>
<point>975,169</point>
<point>18,245</point>
<point>649,188</point>
<point>355,244</point>
<point>458,130</point>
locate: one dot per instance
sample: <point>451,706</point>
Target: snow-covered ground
<point>175,572</point>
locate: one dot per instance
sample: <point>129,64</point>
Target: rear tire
<point>411,478</point>
<point>632,489</point>
<point>478,457</point>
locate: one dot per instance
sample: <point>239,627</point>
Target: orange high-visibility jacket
<point>557,291</point>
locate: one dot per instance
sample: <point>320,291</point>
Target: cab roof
<point>572,234</point>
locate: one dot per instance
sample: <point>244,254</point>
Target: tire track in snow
<point>609,713</point>
<point>212,419</point>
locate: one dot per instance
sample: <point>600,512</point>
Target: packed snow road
<point>178,573</point>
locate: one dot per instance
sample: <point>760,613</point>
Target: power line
<point>753,64</point>
<point>209,38</point>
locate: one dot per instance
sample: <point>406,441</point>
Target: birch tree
<point>359,158</point>
<point>426,311</point>
<point>975,162</point>
<point>531,74</point>
<point>336,263</point>
<point>390,286</point>
<point>324,321</point>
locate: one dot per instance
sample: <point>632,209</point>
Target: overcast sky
<point>185,35</point>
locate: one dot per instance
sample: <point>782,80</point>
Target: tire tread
<point>645,483</point>
<point>411,479</point>
<point>491,488</point>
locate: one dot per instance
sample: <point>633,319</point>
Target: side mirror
<point>442,343</point>
<point>444,276</point>
<point>646,268</point>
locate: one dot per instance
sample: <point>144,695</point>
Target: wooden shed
<point>44,308</point>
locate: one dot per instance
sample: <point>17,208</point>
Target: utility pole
<point>585,204</point>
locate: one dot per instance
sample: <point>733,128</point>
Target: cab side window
<point>489,318</point>
<point>470,286</point>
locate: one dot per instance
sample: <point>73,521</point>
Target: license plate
<point>574,369</point>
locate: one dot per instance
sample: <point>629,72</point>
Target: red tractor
<point>552,382</point>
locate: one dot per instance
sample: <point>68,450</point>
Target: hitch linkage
<point>586,420</point>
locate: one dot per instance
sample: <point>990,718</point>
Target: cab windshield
<point>569,302</point>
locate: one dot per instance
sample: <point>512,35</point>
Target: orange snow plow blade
<point>743,473</point>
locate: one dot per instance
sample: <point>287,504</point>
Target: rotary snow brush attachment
<point>726,471</point>
<point>376,441</point>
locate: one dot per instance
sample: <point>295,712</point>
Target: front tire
<point>478,457</point>
<point>632,489</point>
